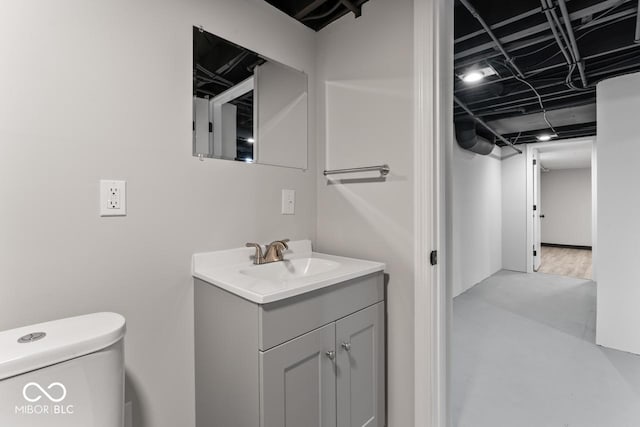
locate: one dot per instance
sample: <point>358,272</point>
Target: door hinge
<point>535,162</point>
<point>535,207</point>
<point>210,127</point>
<point>535,253</point>
<point>433,258</point>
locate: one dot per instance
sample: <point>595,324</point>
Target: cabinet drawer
<point>283,320</point>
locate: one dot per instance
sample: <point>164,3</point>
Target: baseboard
<point>556,245</point>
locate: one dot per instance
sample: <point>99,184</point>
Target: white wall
<point>365,117</point>
<point>566,206</point>
<point>618,206</point>
<point>476,217</point>
<point>94,90</point>
<point>515,255</point>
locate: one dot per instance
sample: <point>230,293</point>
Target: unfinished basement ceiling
<point>317,14</point>
<point>526,52</point>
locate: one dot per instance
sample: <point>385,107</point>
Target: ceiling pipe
<point>561,30</point>
<point>485,125</point>
<point>572,39</point>
<point>495,39</point>
<point>637,38</point>
<point>547,13</point>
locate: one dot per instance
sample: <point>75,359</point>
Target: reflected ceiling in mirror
<point>246,107</point>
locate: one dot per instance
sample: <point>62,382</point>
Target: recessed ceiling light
<point>545,137</point>
<point>473,76</point>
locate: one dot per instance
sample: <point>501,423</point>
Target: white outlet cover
<point>288,202</point>
<point>113,197</point>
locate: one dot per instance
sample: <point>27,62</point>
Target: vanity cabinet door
<point>298,381</point>
<point>360,365</point>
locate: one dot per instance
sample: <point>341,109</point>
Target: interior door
<point>298,382</point>
<point>360,365</point>
<point>536,212</point>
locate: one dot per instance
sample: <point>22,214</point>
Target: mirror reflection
<point>246,107</point>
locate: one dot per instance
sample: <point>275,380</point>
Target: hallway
<point>524,355</point>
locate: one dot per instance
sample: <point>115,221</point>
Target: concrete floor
<point>524,356</point>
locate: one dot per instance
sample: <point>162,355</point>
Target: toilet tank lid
<point>26,349</point>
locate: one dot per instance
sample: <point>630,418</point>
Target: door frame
<point>433,132</point>
<point>536,224</point>
<point>530,148</point>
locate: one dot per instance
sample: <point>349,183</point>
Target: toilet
<point>67,372</point>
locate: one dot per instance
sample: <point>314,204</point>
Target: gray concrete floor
<point>524,355</point>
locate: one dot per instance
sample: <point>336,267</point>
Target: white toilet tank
<point>64,373</point>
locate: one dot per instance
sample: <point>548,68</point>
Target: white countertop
<point>233,270</point>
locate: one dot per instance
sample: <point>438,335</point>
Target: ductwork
<point>468,138</point>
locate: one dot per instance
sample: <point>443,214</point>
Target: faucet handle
<point>279,245</point>
<point>284,243</point>
<point>257,258</point>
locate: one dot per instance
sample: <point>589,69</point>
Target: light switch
<point>288,202</point>
<point>113,198</point>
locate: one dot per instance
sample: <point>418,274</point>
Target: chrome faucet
<point>272,253</point>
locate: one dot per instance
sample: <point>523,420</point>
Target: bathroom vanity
<point>300,342</point>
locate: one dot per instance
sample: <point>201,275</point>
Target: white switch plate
<point>288,202</point>
<point>113,198</point>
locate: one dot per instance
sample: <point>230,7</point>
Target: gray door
<point>298,382</point>
<point>360,367</point>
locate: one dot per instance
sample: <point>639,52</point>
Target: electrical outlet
<point>288,202</point>
<point>113,200</point>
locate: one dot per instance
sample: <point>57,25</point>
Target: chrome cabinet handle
<point>346,346</point>
<point>331,354</point>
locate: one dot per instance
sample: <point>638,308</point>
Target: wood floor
<point>566,262</point>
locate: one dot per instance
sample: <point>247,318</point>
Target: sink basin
<point>301,271</point>
<point>291,269</point>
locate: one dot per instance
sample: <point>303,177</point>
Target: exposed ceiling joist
<point>317,14</point>
<point>563,48</point>
<point>308,9</point>
<point>527,32</point>
<point>352,7</point>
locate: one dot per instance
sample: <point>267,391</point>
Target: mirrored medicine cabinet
<point>247,107</point>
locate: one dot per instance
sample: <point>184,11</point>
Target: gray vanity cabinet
<point>314,360</point>
<point>360,368</point>
<point>299,382</point>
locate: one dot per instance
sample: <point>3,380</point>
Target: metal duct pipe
<point>572,38</point>
<point>486,126</point>
<point>637,39</point>
<point>488,30</point>
<point>468,137</point>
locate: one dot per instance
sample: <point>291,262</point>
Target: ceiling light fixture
<point>545,137</point>
<point>475,74</point>
<point>251,140</point>
<point>473,77</point>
